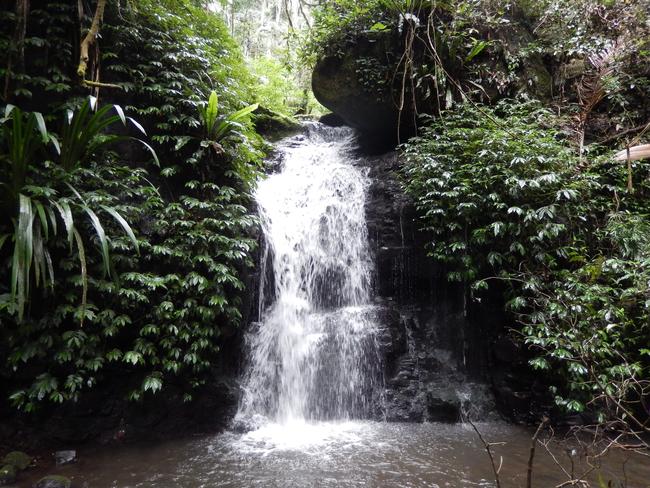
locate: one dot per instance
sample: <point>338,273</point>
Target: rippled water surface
<point>349,454</point>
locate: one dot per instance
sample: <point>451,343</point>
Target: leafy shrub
<point>161,320</point>
<point>506,201</point>
<point>39,196</point>
<point>496,186</point>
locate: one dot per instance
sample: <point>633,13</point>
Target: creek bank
<point>100,418</point>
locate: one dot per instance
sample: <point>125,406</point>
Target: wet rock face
<point>65,457</point>
<point>337,85</point>
<point>436,347</point>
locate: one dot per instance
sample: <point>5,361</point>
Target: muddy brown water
<point>347,454</point>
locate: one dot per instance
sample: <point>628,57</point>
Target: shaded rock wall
<point>364,84</point>
<point>445,358</point>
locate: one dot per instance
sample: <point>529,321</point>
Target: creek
<point>314,406</point>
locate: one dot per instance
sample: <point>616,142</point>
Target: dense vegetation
<point>515,175</point>
<point>118,267</point>
<point>127,227</point>
<point>510,206</point>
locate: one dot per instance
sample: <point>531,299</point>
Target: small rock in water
<point>65,457</point>
<point>54,481</point>
<point>7,475</point>
<point>18,460</point>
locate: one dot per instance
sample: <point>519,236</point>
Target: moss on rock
<point>18,460</point>
<point>274,125</point>
<point>7,475</point>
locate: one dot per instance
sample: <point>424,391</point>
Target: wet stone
<point>53,481</point>
<point>18,460</point>
<point>65,457</point>
<point>7,475</point>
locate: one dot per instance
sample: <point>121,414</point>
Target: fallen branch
<point>624,133</point>
<point>634,153</point>
<point>97,84</point>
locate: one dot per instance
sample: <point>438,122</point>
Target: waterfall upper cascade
<point>314,354</point>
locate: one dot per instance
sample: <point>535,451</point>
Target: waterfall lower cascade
<point>314,353</point>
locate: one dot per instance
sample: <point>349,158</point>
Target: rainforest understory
<point>134,134</point>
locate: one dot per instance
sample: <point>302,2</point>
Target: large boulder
<point>352,86</point>
<point>65,457</point>
<point>364,83</point>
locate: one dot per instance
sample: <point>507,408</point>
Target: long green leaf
<point>39,256</point>
<point>43,217</point>
<point>23,253</point>
<point>52,216</point>
<point>66,215</point>
<point>3,238</point>
<point>125,225</point>
<point>8,109</point>
<point>81,251</point>
<point>211,112</point>
<point>137,125</point>
<point>151,151</point>
<point>40,121</point>
<point>120,113</point>
<point>50,268</point>
<point>103,240</point>
<point>242,113</point>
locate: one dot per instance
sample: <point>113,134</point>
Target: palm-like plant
<point>219,127</point>
<point>36,195</point>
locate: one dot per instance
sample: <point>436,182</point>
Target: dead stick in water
<point>533,444</point>
<point>488,446</point>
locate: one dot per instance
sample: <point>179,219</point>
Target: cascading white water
<point>314,353</point>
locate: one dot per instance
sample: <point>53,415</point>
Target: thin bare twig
<point>488,448</point>
<point>533,444</point>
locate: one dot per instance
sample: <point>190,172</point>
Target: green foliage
<point>340,22</point>
<point>157,318</point>
<point>494,188</point>
<point>276,89</point>
<point>37,190</point>
<point>83,132</point>
<point>218,128</point>
<point>506,203</point>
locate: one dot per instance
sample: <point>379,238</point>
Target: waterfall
<point>314,353</point>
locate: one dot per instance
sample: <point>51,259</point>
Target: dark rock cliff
<point>446,357</point>
<point>365,83</point>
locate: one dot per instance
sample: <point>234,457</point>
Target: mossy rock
<point>18,460</point>
<point>274,125</point>
<point>7,475</point>
<point>338,85</point>
<point>54,481</point>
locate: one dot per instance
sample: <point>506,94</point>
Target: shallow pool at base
<point>340,454</point>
